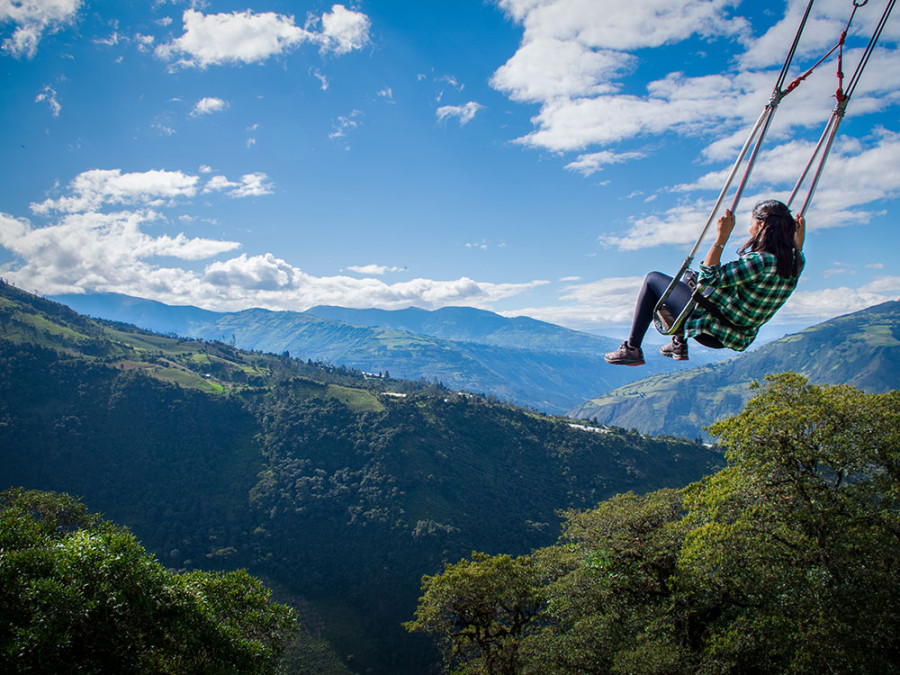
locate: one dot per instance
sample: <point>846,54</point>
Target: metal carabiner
<point>860,3</point>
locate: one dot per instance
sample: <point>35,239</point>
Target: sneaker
<point>677,349</point>
<point>626,356</point>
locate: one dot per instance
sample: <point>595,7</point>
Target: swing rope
<point>843,98</point>
<point>665,322</point>
<point>839,47</point>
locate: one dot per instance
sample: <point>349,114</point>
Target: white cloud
<point>821,305</point>
<point>344,30</point>
<point>164,129</point>
<point>32,19</point>
<point>271,282</point>
<point>254,273</point>
<point>208,105</point>
<point>344,124</point>
<point>100,251</point>
<point>144,42</point>
<point>609,300</point>
<point>835,271</point>
<point>464,113</point>
<point>680,224</point>
<point>12,228</point>
<point>675,104</point>
<point>649,23</point>
<point>323,81</point>
<point>597,305</point>
<point>591,163</point>
<point>883,284</point>
<point>253,185</point>
<point>373,269</point>
<point>248,37</point>
<point>239,37</point>
<point>113,39</point>
<point>48,95</point>
<point>572,49</point>
<point>250,185</point>
<point>95,188</point>
<point>546,68</point>
<point>857,174</point>
<point>218,184</point>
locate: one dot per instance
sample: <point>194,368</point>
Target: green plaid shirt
<point>748,291</point>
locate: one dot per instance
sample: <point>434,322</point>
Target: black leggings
<point>655,284</point>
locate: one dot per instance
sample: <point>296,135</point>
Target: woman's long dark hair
<point>776,236</point>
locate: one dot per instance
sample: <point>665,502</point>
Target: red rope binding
<point>839,94</point>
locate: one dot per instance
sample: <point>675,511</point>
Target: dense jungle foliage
<point>339,489</point>
<point>79,594</point>
<point>786,561</point>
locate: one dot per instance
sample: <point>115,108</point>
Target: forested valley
<point>338,489</point>
<point>536,543</point>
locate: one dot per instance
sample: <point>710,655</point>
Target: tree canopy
<point>787,560</point>
<point>78,593</point>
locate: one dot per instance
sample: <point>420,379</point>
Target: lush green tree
<point>791,562</point>
<point>597,603</point>
<point>610,589</point>
<point>482,608</point>
<point>78,593</point>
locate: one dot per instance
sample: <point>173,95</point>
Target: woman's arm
<point>724,228</point>
<point>800,232</point>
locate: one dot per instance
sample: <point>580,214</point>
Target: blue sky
<point>525,156</point>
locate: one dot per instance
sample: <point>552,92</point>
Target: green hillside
<point>339,489</point>
<point>861,349</point>
<point>520,360</point>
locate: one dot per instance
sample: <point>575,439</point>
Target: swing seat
<point>664,319</point>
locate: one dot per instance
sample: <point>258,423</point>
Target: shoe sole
<point>626,363</point>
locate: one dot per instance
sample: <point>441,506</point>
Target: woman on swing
<point>743,294</point>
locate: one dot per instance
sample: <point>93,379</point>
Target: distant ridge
<point>521,360</point>
<point>861,349</point>
<point>147,314</point>
<point>468,324</point>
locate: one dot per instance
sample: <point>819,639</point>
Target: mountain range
<point>861,349</point>
<point>521,360</point>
